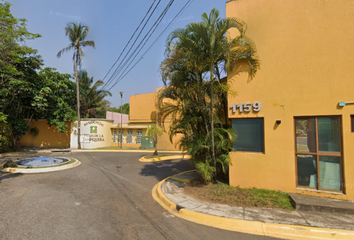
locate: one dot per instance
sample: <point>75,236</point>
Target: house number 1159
<point>246,107</point>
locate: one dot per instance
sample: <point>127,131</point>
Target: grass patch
<point>223,193</point>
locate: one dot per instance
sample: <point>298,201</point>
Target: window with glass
<point>114,137</point>
<point>318,153</point>
<point>130,136</point>
<point>250,134</point>
<point>120,136</point>
<point>139,133</point>
<point>352,122</point>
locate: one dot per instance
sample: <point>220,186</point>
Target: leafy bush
<point>5,141</point>
<point>199,147</point>
<point>34,131</point>
<point>10,164</point>
<point>19,128</point>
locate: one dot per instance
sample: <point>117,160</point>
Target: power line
<point>120,67</point>
<point>151,31</point>
<point>120,77</point>
<point>171,22</point>
<point>56,65</point>
<point>132,37</point>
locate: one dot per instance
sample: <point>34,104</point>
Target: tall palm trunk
<point>78,100</point>
<point>212,115</point>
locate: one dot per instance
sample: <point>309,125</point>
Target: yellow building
<point>143,113</point>
<point>100,133</point>
<point>295,134</point>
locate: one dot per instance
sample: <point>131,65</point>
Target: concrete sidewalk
<point>268,222</point>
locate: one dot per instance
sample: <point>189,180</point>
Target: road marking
<point>166,165</point>
<point>167,215</point>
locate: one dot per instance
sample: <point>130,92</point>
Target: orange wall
<point>164,140</point>
<point>143,111</point>
<point>48,137</point>
<point>142,108</point>
<point>306,54</point>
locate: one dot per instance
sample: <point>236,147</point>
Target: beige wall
<point>91,139</point>
<point>306,54</point>
<point>48,137</point>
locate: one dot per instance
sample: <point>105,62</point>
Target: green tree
<point>50,95</point>
<point>77,34</point>
<point>154,132</point>
<point>5,132</point>
<point>28,92</point>
<point>125,108</point>
<point>18,70</point>
<point>196,56</point>
<point>91,96</point>
<point>56,98</point>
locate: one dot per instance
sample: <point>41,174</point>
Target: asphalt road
<point>107,197</point>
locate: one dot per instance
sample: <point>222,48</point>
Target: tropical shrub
<point>5,140</point>
<point>194,100</point>
<point>154,132</point>
<point>34,131</point>
<point>10,164</point>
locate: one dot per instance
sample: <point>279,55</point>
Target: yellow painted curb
<point>180,180</point>
<point>42,170</point>
<point>126,150</point>
<point>251,227</point>
<point>157,159</point>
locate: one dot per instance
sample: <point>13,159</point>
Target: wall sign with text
<point>246,107</point>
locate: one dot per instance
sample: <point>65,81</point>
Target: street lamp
<point>121,117</point>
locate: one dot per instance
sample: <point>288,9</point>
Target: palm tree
<point>77,34</point>
<point>202,49</point>
<point>91,97</point>
<point>154,132</point>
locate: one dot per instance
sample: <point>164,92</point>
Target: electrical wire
<point>132,38</point>
<point>173,20</point>
<point>143,41</point>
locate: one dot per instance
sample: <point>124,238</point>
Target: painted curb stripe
<point>126,150</point>
<point>42,170</point>
<point>180,180</point>
<point>157,159</point>
<point>251,227</point>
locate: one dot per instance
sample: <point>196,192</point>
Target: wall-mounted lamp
<point>342,104</point>
<point>278,122</point>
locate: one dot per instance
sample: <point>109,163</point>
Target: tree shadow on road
<point>6,175</point>
<point>164,169</point>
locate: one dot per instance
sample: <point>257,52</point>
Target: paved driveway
<point>107,197</point>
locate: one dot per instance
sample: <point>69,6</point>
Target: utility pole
<point>78,103</point>
<point>121,117</point>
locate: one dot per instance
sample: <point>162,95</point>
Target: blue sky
<point>111,22</point>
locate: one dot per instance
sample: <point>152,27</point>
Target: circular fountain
<point>42,161</point>
<point>43,164</point>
